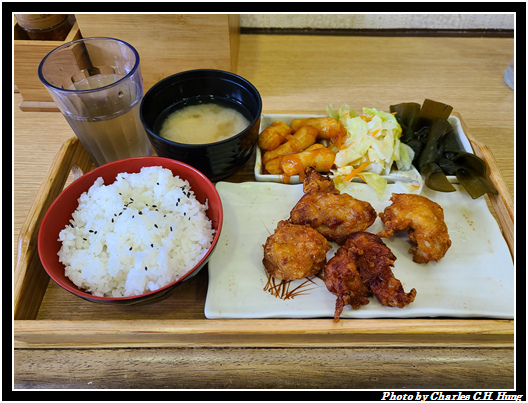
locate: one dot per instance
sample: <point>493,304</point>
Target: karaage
<point>362,268</point>
<point>374,260</point>
<point>424,221</point>
<point>333,214</point>
<point>342,278</point>
<point>294,252</point>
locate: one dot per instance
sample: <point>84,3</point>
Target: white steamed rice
<point>136,235</point>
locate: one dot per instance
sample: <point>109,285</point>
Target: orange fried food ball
<point>299,141</point>
<point>274,135</point>
<point>329,128</point>
<point>316,156</point>
<point>294,252</point>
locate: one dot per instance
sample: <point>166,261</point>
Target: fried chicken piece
<point>342,278</point>
<point>362,267</point>
<point>331,213</point>
<point>315,182</point>
<point>424,221</point>
<point>374,260</point>
<point>294,252</point>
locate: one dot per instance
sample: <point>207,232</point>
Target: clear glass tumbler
<point>97,85</point>
<point>509,75</point>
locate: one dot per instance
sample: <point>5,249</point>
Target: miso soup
<point>203,123</point>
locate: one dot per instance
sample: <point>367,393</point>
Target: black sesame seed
<point>132,216</point>
<point>95,232</point>
<point>151,245</point>
<point>157,183</point>
<point>132,199</point>
<point>130,248</point>
<point>112,220</point>
<point>85,239</point>
<point>71,225</point>
<point>154,205</point>
<point>171,228</point>
<point>155,225</point>
<point>146,268</point>
<point>140,213</point>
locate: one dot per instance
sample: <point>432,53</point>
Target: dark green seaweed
<point>451,144</point>
<point>447,165</point>
<point>407,114</point>
<point>471,174</point>
<point>471,161</point>
<point>476,185</point>
<point>436,179</point>
<point>430,152</point>
<point>437,149</point>
<point>432,110</point>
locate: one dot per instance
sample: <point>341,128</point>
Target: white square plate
<point>474,279</point>
<point>268,119</point>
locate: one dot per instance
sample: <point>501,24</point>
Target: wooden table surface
<point>301,74</point>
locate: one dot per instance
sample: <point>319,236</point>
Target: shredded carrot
<point>357,170</point>
<point>394,113</point>
<point>375,132</point>
<point>366,118</point>
<point>415,186</point>
<point>346,146</point>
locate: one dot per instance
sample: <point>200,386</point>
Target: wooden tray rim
<point>448,332</point>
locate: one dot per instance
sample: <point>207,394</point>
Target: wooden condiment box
<point>28,54</point>
<point>171,43</point>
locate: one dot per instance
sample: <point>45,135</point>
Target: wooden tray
<point>45,315</point>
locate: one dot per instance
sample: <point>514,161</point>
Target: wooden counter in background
<point>170,43</point>
<point>296,74</point>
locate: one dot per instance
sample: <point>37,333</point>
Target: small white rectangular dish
<point>268,119</point>
<point>474,279</point>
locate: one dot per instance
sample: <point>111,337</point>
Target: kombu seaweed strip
<point>407,115</point>
<point>438,151</point>
<point>431,150</point>
<point>471,174</point>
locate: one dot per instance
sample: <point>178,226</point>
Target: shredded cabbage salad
<point>371,147</point>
